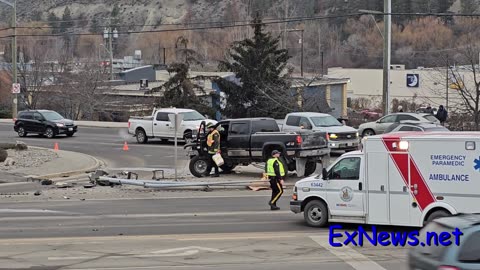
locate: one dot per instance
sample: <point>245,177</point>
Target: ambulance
<point>401,179</point>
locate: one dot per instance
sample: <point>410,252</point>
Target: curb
<point>98,164</point>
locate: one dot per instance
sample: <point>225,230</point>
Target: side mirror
<point>324,174</point>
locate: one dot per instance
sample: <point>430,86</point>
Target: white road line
<point>136,216</point>
<point>33,211</point>
<point>348,255</point>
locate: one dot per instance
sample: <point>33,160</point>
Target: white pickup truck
<point>340,137</point>
<point>158,125</point>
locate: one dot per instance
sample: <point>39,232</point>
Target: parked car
<point>340,137</point>
<point>43,122</point>
<point>415,126</point>
<point>248,140</point>
<point>158,125</point>
<point>430,117</point>
<point>464,256</point>
<point>379,126</point>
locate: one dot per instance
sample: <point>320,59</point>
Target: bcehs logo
<point>346,194</point>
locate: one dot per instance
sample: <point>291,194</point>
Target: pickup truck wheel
<point>316,214</point>
<point>310,167</point>
<point>141,136</point>
<point>200,166</point>
<point>227,168</point>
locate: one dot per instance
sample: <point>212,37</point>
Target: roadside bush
<point>3,155</point>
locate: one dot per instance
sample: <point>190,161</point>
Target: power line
<point>300,19</point>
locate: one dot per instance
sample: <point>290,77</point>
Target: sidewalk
<point>85,123</point>
<point>67,164</point>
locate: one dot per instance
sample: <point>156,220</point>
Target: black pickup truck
<point>249,140</point>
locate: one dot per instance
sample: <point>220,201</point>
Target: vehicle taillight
<point>446,267</point>
<point>299,139</point>
<point>294,196</point>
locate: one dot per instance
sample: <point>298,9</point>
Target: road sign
<point>413,80</point>
<point>176,120</point>
<point>16,88</point>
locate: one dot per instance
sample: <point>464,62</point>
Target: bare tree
<point>80,93</point>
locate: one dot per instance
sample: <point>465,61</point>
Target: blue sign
<point>413,80</point>
<point>477,164</point>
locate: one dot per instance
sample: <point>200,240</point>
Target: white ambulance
<point>403,179</point>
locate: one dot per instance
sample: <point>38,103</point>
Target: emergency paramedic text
<point>448,161</point>
<point>357,238</point>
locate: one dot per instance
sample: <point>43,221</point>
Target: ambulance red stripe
<point>424,196</point>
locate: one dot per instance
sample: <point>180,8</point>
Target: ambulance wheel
<point>435,215</point>
<point>316,214</point>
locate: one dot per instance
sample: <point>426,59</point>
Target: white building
<point>427,85</point>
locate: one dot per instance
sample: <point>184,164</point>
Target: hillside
<point>342,41</point>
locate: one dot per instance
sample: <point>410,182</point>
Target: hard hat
<point>209,125</point>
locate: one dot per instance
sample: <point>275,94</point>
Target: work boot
<point>274,207</point>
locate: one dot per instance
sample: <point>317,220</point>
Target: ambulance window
<point>346,169</point>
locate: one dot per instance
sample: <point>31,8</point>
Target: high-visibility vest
<point>271,170</point>
<point>210,139</point>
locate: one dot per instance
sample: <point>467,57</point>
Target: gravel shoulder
<point>30,158</point>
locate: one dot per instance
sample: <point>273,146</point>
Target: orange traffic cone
<point>55,147</point>
<point>125,146</point>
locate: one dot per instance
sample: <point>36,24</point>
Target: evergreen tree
<point>66,26</point>
<point>95,27</point>
<point>469,6</point>
<point>258,64</point>
<point>53,22</point>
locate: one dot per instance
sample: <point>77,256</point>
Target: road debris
<point>63,185</point>
<point>46,182</point>
<point>37,193</point>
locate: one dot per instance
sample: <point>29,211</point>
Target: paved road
<point>233,231</point>
<point>106,144</point>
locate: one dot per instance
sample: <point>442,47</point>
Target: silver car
<point>379,126</point>
<point>415,126</point>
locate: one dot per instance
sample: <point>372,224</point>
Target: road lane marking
<point>348,255</point>
<point>178,237</point>
<point>136,216</point>
<point>46,211</point>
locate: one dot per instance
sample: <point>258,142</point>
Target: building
<point>421,85</point>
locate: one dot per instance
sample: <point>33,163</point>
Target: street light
<point>14,54</point>
<point>108,34</point>
<point>301,42</point>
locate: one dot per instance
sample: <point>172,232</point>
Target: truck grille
<point>344,136</point>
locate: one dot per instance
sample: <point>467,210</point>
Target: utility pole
<point>14,55</point>
<point>446,76</point>
<point>108,33</point>
<point>301,42</point>
<point>386,55</point>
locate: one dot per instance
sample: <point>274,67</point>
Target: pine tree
<point>66,25</point>
<point>53,22</point>
<point>95,27</point>
<point>258,64</point>
<point>469,6</point>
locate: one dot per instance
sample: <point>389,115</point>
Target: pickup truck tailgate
<point>312,140</point>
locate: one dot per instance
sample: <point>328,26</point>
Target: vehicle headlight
<point>357,134</point>
<point>60,125</point>
<point>333,136</point>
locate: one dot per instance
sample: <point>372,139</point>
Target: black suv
<point>43,122</point>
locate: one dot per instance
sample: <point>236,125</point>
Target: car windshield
<point>52,116</point>
<point>325,121</point>
<point>192,116</point>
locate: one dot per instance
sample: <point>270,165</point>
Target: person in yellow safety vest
<point>213,143</point>
<point>276,173</point>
